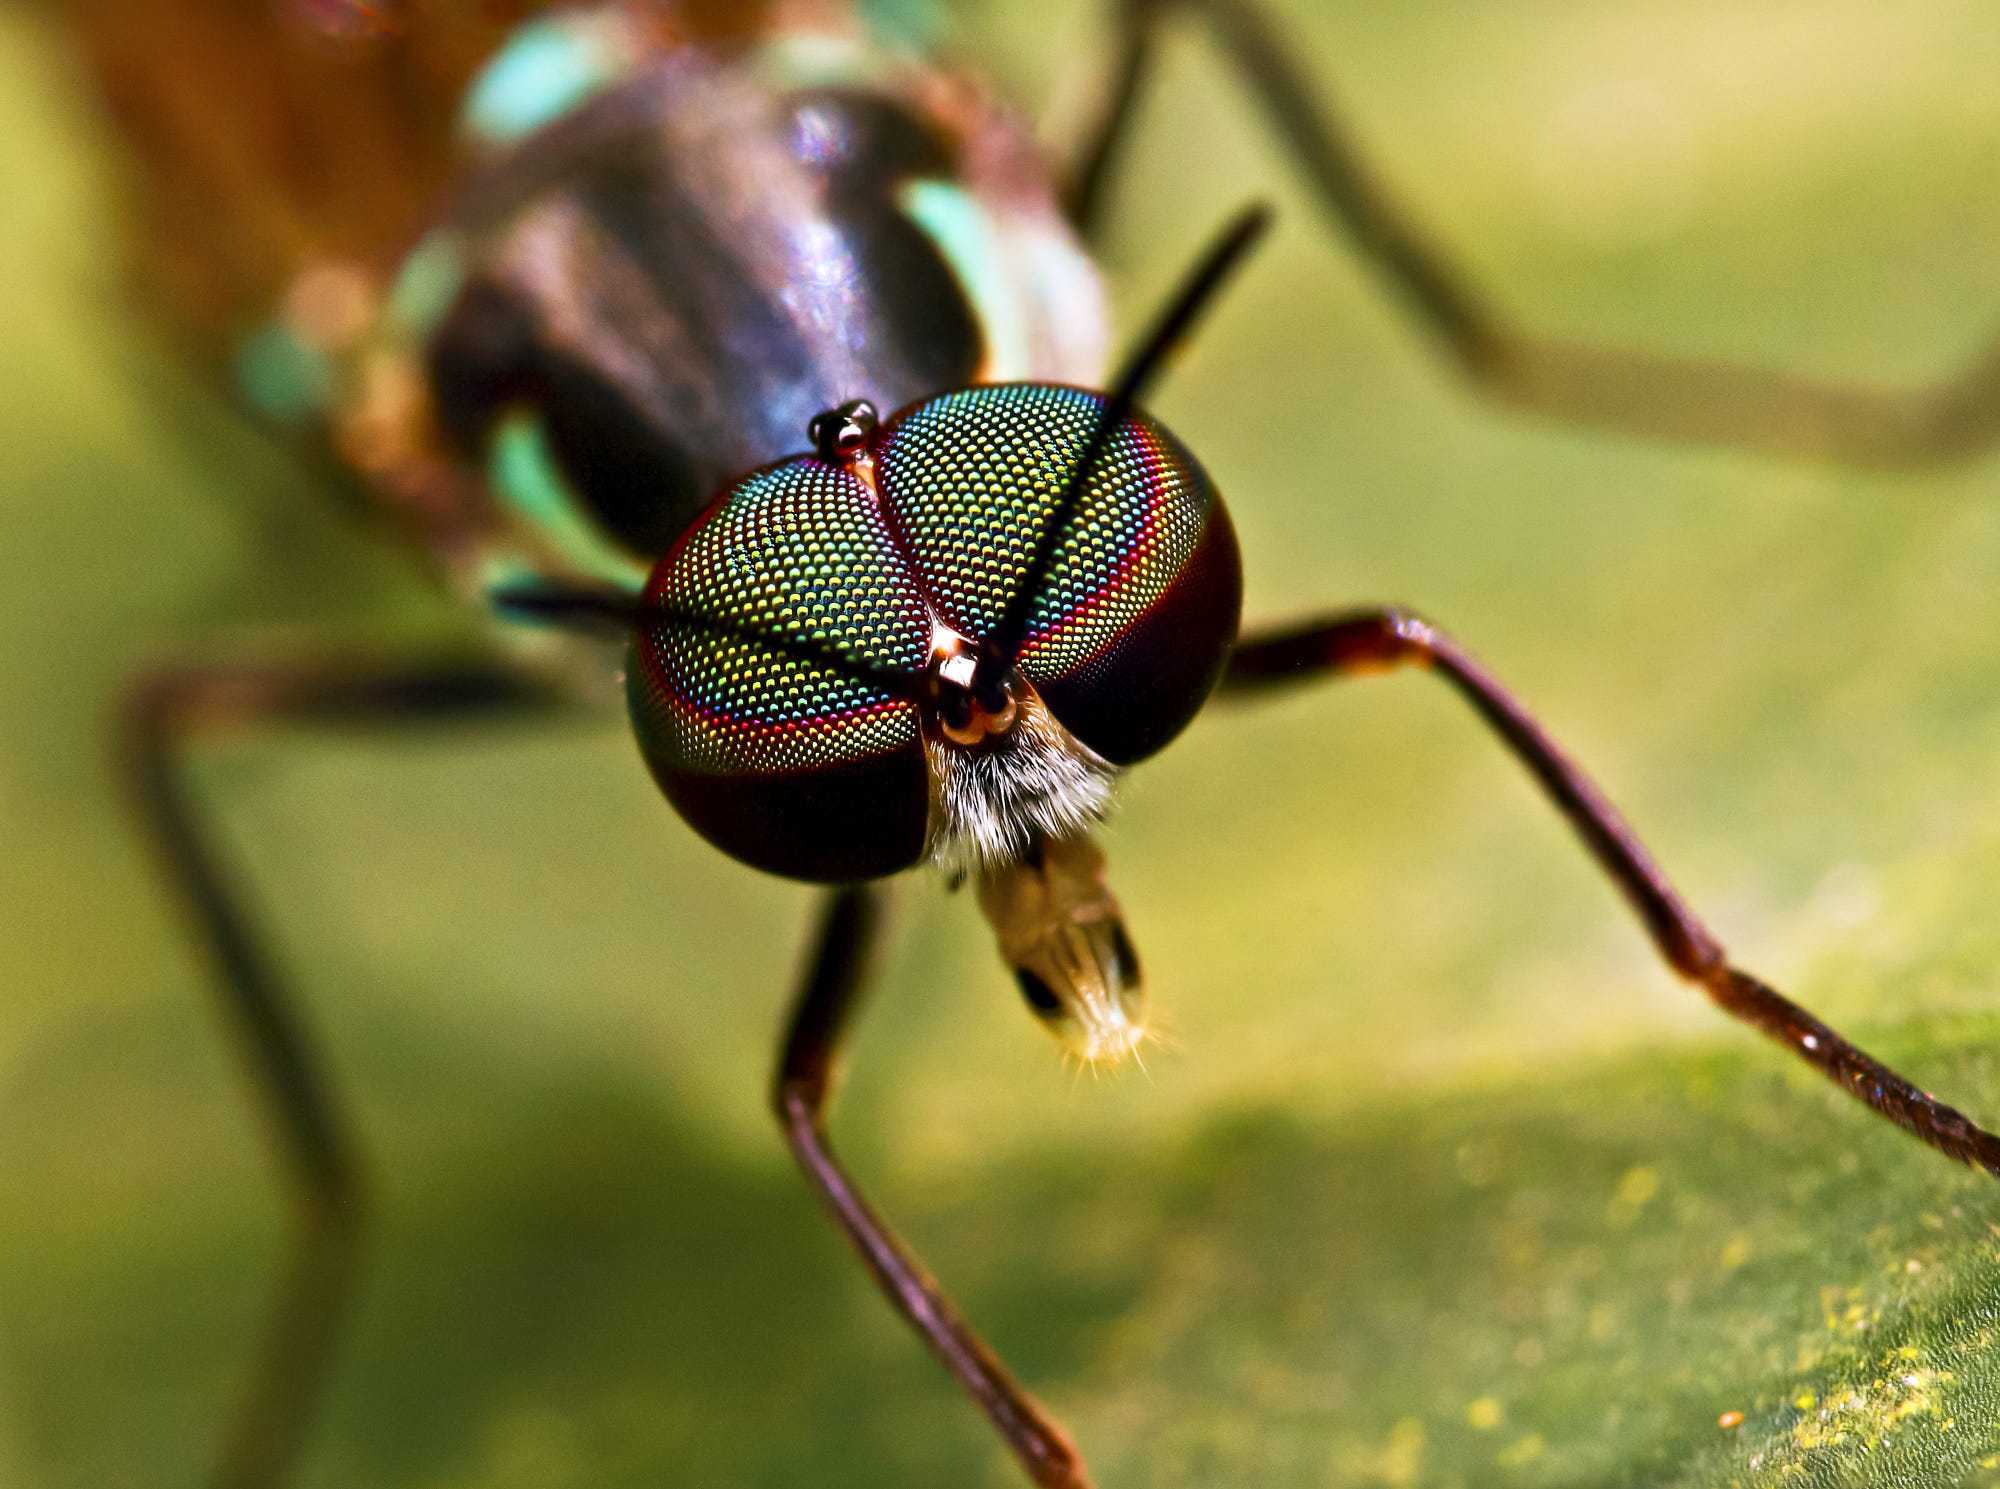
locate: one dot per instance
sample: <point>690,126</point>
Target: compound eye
<point>779,759</point>
<point>1129,630</point>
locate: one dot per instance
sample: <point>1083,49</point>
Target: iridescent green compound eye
<point>802,640</point>
<point>788,764</point>
<point>1135,617</point>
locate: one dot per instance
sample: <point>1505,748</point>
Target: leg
<point>805,1076</point>
<point>1654,396</point>
<point>162,711</point>
<point>1376,640</point>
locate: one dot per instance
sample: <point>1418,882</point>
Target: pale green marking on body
<point>505,570</point>
<point>426,284</point>
<point>810,59</point>
<point>911,25</point>
<point>547,69</point>
<point>523,470</point>
<point>952,218</point>
<point>282,377</point>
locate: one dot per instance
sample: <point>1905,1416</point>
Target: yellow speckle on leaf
<point>1869,1414</point>
<point>1736,1252</point>
<point>1638,1185</point>
<point>1402,1460</point>
<point>1521,1451</point>
<point>1636,1189</point>
<point>1482,1415</point>
<point>1847,1310</point>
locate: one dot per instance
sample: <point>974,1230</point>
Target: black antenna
<point>1003,642</point>
<point>575,607</point>
<point>597,608</point>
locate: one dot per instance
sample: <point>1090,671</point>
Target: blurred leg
<point>1370,641</point>
<point>805,1075</point>
<point>163,711</point>
<point>1629,391</point>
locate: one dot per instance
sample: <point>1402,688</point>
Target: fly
<point>575,351</point>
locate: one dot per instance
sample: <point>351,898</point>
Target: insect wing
<point>264,136</point>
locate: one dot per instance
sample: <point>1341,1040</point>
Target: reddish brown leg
<point>805,1078</point>
<point>163,711</point>
<point>1378,639</point>
<point>1612,387</point>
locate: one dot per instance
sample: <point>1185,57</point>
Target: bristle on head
<point>990,806</point>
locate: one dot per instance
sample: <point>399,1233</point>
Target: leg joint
<point>797,1101</point>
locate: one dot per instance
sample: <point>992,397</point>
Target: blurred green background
<point>1448,1182</point>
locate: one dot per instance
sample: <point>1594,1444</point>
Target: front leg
<point>1375,640</point>
<point>805,1078</point>
<point>165,711</point>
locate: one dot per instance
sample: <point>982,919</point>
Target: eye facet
<point>788,764</point>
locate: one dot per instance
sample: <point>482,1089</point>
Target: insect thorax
<point>651,282</point>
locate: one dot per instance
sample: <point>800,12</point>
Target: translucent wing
<point>262,135</point>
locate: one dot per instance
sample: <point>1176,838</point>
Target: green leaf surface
<point>1445,1182</point>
